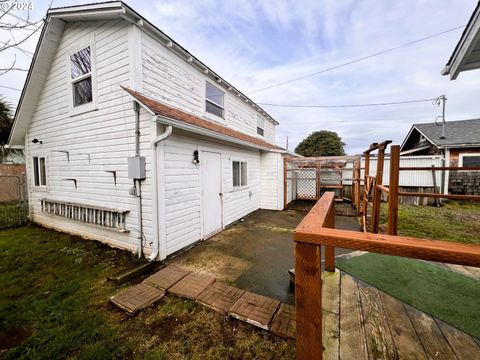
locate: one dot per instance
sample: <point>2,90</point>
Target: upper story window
<point>470,159</point>
<point>39,173</point>
<point>214,100</point>
<point>81,76</point>
<point>260,125</point>
<point>239,172</point>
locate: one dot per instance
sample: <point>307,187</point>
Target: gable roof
<point>195,123</point>
<point>460,133</point>
<point>50,38</point>
<point>466,55</point>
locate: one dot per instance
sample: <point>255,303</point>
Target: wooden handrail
<point>441,196</point>
<point>452,168</point>
<point>383,188</point>
<point>424,249</point>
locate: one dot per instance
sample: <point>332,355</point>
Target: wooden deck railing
<point>317,229</point>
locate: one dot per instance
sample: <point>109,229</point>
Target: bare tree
<point>20,29</point>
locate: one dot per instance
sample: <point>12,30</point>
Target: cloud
<point>254,44</point>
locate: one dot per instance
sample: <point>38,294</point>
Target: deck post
<point>308,301</point>
<point>393,189</point>
<point>357,185</point>
<point>365,190</point>
<point>285,174</point>
<point>330,250</point>
<point>377,193</point>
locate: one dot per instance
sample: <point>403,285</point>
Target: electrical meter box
<point>136,167</point>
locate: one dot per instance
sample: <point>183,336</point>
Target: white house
<point>131,140</point>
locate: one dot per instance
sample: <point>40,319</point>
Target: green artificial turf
<point>442,293</point>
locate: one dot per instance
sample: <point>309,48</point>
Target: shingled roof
<point>169,112</point>
<point>457,133</point>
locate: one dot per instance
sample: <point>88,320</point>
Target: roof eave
<point>469,39</point>
<point>199,130</point>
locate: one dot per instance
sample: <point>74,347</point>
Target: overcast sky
<point>254,44</point>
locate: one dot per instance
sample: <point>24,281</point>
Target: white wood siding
<point>174,81</point>
<point>183,187</point>
<point>271,181</point>
<point>106,134</point>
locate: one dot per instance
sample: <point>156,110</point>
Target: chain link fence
<point>13,201</point>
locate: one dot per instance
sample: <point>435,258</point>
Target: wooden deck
<point>361,322</point>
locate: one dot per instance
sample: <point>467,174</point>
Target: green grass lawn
<point>442,293</point>
<point>53,305</point>
<point>451,222</point>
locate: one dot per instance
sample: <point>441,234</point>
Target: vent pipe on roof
<point>441,100</point>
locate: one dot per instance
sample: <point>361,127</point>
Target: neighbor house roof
<point>195,123</point>
<point>460,133</point>
<point>47,46</point>
<point>466,55</point>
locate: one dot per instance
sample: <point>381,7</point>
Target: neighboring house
<point>131,140</point>
<point>466,55</point>
<point>460,147</point>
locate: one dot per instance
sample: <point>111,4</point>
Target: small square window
<point>214,100</point>
<point>39,173</point>
<point>260,125</point>
<point>81,77</point>
<point>471,160</point>
<point>239,173</point>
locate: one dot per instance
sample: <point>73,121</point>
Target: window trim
<point>240,186</point>
<point>92,105</point>
<point>209,114</point>
<point>462,155</point>
<point>36,159</point>
<point>261,128</point>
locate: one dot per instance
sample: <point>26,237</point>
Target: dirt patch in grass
<point>457,222</point>
<point>55,284</point>
<point>13,337</point>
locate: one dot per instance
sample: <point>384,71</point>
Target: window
<point>81,77</point>
<point>239,171</point>
<point>260,125</point>
<point>39,174</point>
<point>470,160</point>
<point>214,100</point>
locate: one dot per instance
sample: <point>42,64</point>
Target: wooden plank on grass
<point>352,333</point>
<point>462,344</point>
<point>407,343</point>
<point>220,296</point>
<point>430,335</point>
<point>255,309</point>
<point>192,285</point>
<point>379,339</point>
<point>283,323</point>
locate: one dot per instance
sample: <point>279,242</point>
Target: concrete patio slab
<point>255,309</point>
<point>220,296</point>
<point>166,277</point>
<point>284,323</point>
<point>192,285</point>
<point>137,298</point>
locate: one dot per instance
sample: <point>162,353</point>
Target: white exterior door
<point>211,165</point>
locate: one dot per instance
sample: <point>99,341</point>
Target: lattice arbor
<point>309,178</point>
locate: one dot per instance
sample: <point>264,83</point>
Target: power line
<point>10,88</point>
<point>356,60</point>
<point>349,105</point>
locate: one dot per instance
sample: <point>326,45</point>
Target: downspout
<point>156,237</point>
<point>137,182</point>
